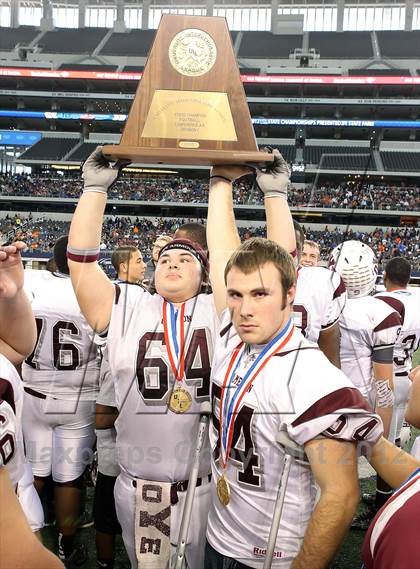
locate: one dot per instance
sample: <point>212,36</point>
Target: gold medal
<point>223,490</point>
<point>180,400</point>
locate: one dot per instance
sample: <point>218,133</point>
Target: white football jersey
<point>367,324</point>
<point>153,442</point>
<point>319,301</point>
<point>11,437</point>
<point>65,362</point>
<point>298,391</point>
<point>407,303</point>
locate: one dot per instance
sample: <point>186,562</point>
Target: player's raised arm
<point>93,289</point>
<point>222,233</point>
<point>273,181</point>
<point>17,322</point>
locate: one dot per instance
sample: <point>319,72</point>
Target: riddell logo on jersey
<point>258,552</point>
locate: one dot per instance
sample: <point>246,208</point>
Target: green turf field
<point>347,558</point>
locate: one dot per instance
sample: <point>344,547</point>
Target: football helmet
<point>357,265</point>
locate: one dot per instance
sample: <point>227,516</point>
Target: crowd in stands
<point>175,189</point>
<point>355,195</point>
<point>386,243</point>
<point>347,194</point>
<point>40,235</point>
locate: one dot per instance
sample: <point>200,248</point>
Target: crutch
<point>292,451</point>
<point>205,411</point>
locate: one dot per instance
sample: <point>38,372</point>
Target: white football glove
<point>273,181</point>
<point>98,174</point>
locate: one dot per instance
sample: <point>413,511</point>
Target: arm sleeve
<point>386,330</point>
<point>332,407</point>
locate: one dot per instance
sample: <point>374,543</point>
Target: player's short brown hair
<point>163,237</point>
<point>300,237</point>
<point>122,255</point>
<point>194,232</point>
<point>256,252</point>
<point>398,271</point>
<point>60,254</point>
<point>313,244</point>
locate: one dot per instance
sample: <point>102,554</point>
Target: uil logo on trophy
<point>190,106</point>
<point>192,52</point>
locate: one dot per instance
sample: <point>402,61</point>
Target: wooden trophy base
<point>174,156</point>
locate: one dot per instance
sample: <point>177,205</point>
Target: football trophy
<point>190,106</point>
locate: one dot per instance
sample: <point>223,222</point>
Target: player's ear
<point>290,296</point>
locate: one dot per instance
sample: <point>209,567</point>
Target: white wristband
<point>95,189</point>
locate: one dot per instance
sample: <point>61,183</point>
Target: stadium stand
<point>83,151</point>
<point>351,162</point>
<point>41,234</point>
<point>287,151</point>
<point>386,243</point>
<point>347,45</point>
<point>134,42</point>
<point>399,44</point>
<point>64,40</point>
<point>344,195</point>
<point>9,38</point>
<point>173,189</point>
<point>49,149</point>
<point>314,154</point>
<point>268,45</point>
<point>401,161</point>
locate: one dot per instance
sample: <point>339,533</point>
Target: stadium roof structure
<point>277,15</point>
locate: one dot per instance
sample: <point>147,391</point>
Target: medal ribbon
<point>228,409</point>
<point>175,337</point>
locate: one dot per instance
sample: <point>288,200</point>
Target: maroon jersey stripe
<point>344,398</point>
<point>394,303</point>
<point>389,322</point>
<point>341,289</point>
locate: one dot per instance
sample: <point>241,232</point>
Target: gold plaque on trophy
<point>190,106</point>
<point>189,115</point>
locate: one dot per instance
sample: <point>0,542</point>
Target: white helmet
<point>357,265</point>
